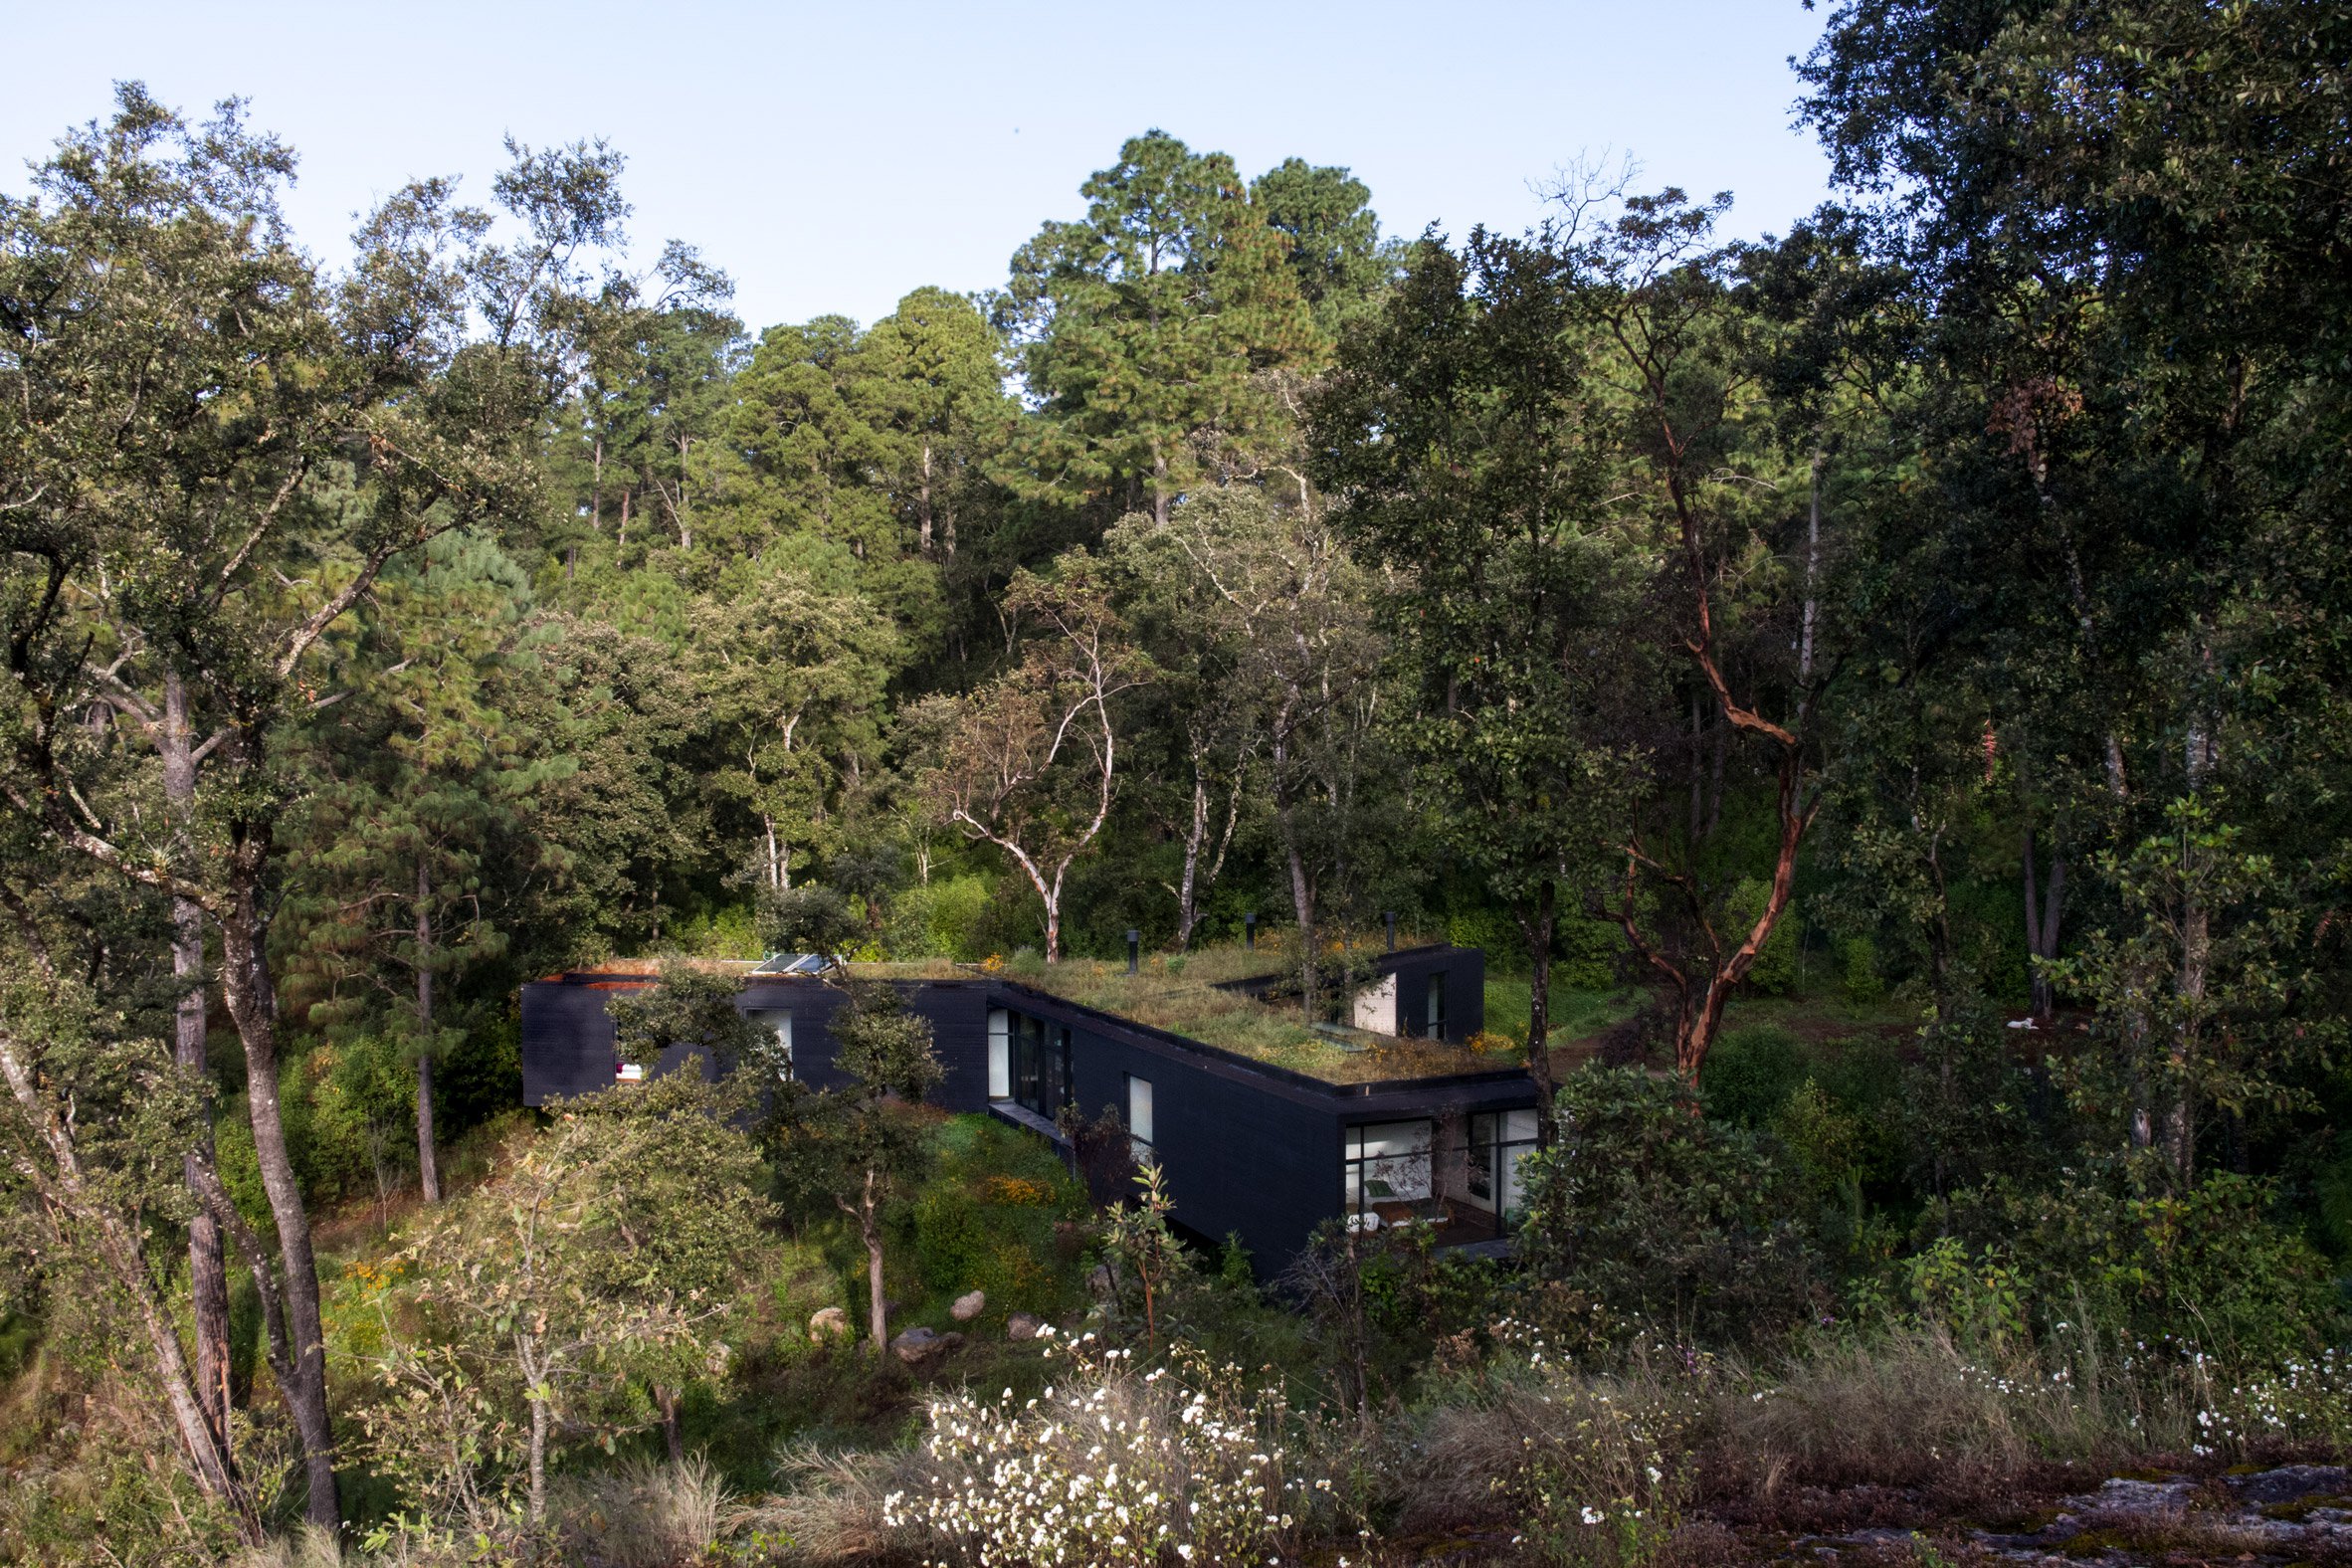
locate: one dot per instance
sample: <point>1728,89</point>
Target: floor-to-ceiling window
<point>1028,1062</point>
<point>1141,1120</point>
<point>1499,1140</point>
<point>1387,1168</point>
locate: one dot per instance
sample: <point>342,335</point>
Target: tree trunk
<point>538,1461</point>
<point>666,1399</point>
<point>1812,574</point>
<point>208,1275</point>
<point>1538,933</point>
<point>2196,958</point>
<point>1695,1029</point>
<point>1302,901</point>
<point>1187,895</point>
<point>2041,925</point>
<point>922,506</point>
<point>1053,902</point>
<point>243,981</point>
<point>877,1316</point>
<point>206,1455</point>
<point>428,1172</point>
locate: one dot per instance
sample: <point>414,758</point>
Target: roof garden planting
<point>1197,995</point>
<point>1200,995</point>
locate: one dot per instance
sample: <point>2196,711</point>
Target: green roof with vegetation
<point>1185,994</point>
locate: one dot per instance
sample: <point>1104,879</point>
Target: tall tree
<point>1298,613</point>
<point>1701,458</point>
<point>1143,329</point>
<point>1334,249</point>
<point>928,377</point>
<point>793,670</point>
<point>210,455</point>
<point>2136,307</point>
<point>1030,762</point>
<point>410,850</point>
<point>1476,448</point>
<point>811,453</point>
<point>1201,716</point>
<point>858,1145</point>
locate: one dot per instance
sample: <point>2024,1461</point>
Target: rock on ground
<point>919,1345</point>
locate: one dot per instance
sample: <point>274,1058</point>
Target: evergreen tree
<point>408,858</point>
<point>1144,330</point>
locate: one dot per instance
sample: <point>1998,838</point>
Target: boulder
<point>829,1323</point>
<point>919,1345</point>
<point>969,1306</point>
<point>1021,1325</point>
<point>1100,1282</point>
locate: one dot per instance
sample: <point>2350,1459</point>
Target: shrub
<point>1650,1209</point>
<point>1588,1466</point>
<point>986,1216</point>
<point>2209,1268</point>
<point>1862,981</point>
<point>1113,1468</point>
<point>1750,1073</point>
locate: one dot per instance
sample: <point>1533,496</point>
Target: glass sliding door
<point>1386,1169</point>
<point>1498,1141</point>
<point>1036,1060</point>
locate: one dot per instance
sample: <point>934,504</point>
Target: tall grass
<point>643,1514</point>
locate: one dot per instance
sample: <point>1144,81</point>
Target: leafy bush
<point>2209,1268</point>
<point>1862,981</point>
<point>1750,1073</point>
<point>1648,1207</point>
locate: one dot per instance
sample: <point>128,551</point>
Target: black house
<point>1399,1118</point>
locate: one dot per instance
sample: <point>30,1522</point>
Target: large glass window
<point>1388,1163</point>
<point>1000,1054</point>
<point>1028,1062</point>
<point>1499,1140</point>
<point>1139,1119</point>
<point>1433,1007</point>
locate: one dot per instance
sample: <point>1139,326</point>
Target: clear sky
<point>831,158</point>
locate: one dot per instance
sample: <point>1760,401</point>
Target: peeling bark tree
<point>1030,759</point>
<point>1658,297</point>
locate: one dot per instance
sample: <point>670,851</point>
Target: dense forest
<point>1878,694</point>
